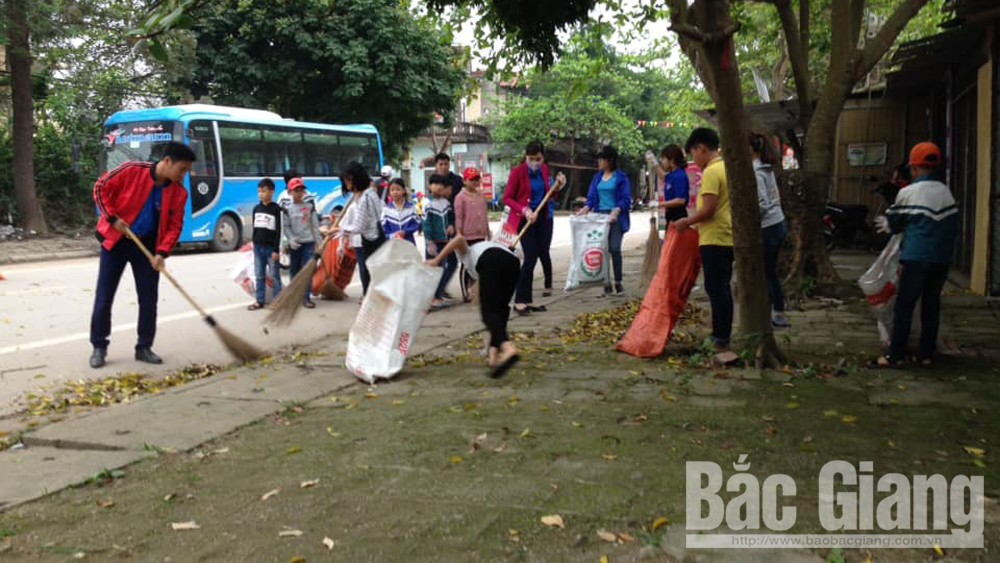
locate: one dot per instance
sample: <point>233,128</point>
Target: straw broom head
<point>286,307</point>
<point>333,292</point>
<point>239,348</point>
<point>651,259</point>
<point>289,302</point>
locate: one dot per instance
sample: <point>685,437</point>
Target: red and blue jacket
<point>123,192</point>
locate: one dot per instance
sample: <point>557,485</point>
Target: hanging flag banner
<point>642,123</point>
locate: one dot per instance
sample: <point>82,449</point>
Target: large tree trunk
<point>848,64</point>
<point>712,30</point>
<point>807,223</point>
<point>29,209</point>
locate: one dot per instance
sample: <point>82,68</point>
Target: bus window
<point>360,148</point>
<point>204,178</point>
<point>242,149</point>
<point>321,158</point>
<point>283,150</point>
<point>201,139</point>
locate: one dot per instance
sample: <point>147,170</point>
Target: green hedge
<point>64,186</point>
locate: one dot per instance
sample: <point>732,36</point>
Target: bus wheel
<point>227,235</point>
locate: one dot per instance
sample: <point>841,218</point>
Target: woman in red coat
<point>526,187</point>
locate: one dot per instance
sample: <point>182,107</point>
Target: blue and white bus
<point>236,148</point>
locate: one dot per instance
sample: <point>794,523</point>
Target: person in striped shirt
<point>926,213</point>
<point>439,226</point>
<point>399,217</point>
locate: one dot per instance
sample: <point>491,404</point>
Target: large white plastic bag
<point>398,298</point>
<point>879,284</point>
<point>589,261</point>
<point>244,276</point>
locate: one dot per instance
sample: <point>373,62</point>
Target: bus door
<point>206,179</point>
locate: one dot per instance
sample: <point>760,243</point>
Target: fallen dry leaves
<point>110,390</point>
<point>609,326</point>
<point>478,442</point>
<point>329,543</point>
<point>270,494</point>
<point>554,521</point>
<point>308,484</point>
<point>180,526</point>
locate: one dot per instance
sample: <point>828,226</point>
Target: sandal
<point>547,292</point>
<point>309,305</point>
<point>885,362</point>
<point>254,306</point>
<point>522,311</point>
<point>538,309</point>
<point>505,366</point>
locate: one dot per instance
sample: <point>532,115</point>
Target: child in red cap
<point>472,221</point>
<point>927,215</point>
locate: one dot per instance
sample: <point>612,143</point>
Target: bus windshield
<point>140,140</point>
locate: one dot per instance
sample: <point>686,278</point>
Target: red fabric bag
<point>680,260</point>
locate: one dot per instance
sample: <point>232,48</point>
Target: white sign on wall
<point>866,154</point>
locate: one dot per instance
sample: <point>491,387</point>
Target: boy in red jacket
<point>149,199</point>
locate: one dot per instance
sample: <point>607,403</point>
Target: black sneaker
<point>97,357</point>
<point>147,355</point>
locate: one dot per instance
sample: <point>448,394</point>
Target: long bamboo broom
<point>651,259</point>
<point>239,348</point>
<point>286,307</point>
<point>527,226</point>
<point>474,288</point>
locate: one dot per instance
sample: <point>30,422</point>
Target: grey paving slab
<point>34,472</point>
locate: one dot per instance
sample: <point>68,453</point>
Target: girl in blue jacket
<point>611,194</point>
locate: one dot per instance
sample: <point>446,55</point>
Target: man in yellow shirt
<point>715,231</point>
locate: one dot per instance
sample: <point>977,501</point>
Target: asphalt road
<point>45,312</point>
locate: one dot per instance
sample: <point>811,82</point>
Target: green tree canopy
<point>594,95</point>
<point>321,60</point>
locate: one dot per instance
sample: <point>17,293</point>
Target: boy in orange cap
<point>928,216</point>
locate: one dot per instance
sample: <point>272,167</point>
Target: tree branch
<point>857,13</point>
<point>876,48</point>
<point>799,59</point>
<point>689,31</point>
<point>695,34</point>
<point>842,43</point>
<point>804,19</point>
<point>679,17</point>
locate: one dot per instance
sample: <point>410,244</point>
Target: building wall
<point>462,156</point>
<point>979,279</point>
<point>882,121</point>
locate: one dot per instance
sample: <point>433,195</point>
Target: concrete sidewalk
<point>34,249</point>
<point>76,448</point>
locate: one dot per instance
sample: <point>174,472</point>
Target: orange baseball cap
<point>296,184</point>
<point>926,155</point>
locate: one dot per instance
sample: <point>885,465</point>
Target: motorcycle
<point>848,226</point>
